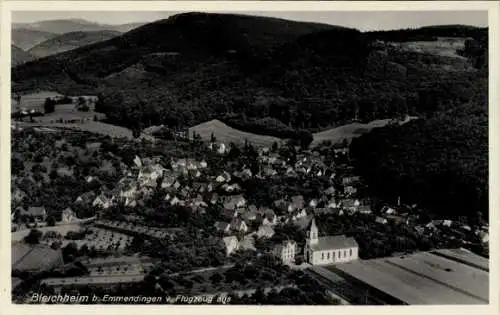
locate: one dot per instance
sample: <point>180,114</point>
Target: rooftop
<point>334,242</point>
<point>423,278</point>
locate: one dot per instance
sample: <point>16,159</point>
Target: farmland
<point>350,131</point>
<point>67,112</point>
<point>227,134</point>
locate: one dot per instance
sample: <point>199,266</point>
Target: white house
<point>68,215</point>
<point>328,249</point>
<point>286,251</point>
<point>231,243</point>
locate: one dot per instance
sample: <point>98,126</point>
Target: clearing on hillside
<point>347,132</point>
<point>353,130</point>
<point>228,134</point>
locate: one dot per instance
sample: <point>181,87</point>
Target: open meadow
<point>227,134</point>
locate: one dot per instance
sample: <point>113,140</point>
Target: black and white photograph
<point>241,157</point>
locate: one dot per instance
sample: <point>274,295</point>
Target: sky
<point>362,20</point>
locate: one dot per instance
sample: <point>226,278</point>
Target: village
<point>283,207</point>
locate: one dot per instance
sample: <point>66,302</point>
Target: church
<point>328,249</point>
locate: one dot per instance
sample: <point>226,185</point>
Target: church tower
<point>312,234</point>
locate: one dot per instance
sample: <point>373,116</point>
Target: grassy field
<point>90,126</point>
<point>338,134</point>
<point>350,131</point>
<point>227,134</point>
<point>444,46</point>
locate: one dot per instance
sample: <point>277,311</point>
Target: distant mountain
<point>26,38</point>
<point>73,25</point>
<point>20,56</point>
<point>123,28</point>
<point>69,41</point>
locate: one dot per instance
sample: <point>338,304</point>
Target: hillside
<point>27,38</point>
<point>60,26</point>
<point>69,41</point>
<point>195,67</point>
<point>272,76</point>
<point>439,163</point>
<point>20,56</point>
<point>226,134</point>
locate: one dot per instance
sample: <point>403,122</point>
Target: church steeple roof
<point>312,225</point>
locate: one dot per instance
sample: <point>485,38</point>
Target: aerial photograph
<point>249,158</point>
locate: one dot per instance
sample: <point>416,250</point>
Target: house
<point>330,191</point>
<point>328,249</point>
<point>269,171</point>
<point>297,203</point>
<point>38,214</point>
<point>68,216</point>
<point>332,204</point>
<point>247,243</point>
<point>236,201</point>
<point>381,220</point>
<point>222,226</point>
<point>130,192</point>
<point>269,218</point>
<point>237,224</point>
<point>299,214</point>
<point>168,181</point>
<point>220,148</point>
<point>176,201</point>
<point>281,205</point>
<point>365,209</point>
<point>388,210</point>
<point>286,251</point>
<point>245,174</point>
<point>214,199</point>
<point>350,204</point>
<point>350,190</point>
<point>137,161</point>
<point>313,203</point>
<point>249,215</point>
<point>220,179</point>
<point>484,236</point>
<point>85,198</point>
<point>18,195</point>
<point>231,243</point>
<point>349,180</point>
<point>203,164</point>
<point>129,202</point>
<point>396,219</point>
<point>231,188</point>
<point>265,231</point>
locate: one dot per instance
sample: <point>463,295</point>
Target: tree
<point>305,139</point>
<point>49,105</point>
<point>33,237</point>
<point>213,138</point>
<point>216,278</point>
<point>70,252</point>
<point>51,221</point>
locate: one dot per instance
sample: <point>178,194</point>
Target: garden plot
<point>103,240</point>
<point>135,228</point>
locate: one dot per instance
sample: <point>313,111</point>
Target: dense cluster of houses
<point>193,183</point>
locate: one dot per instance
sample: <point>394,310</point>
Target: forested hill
<point>440,163</point>
<point>69,41</point>
<point>194,67</point>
